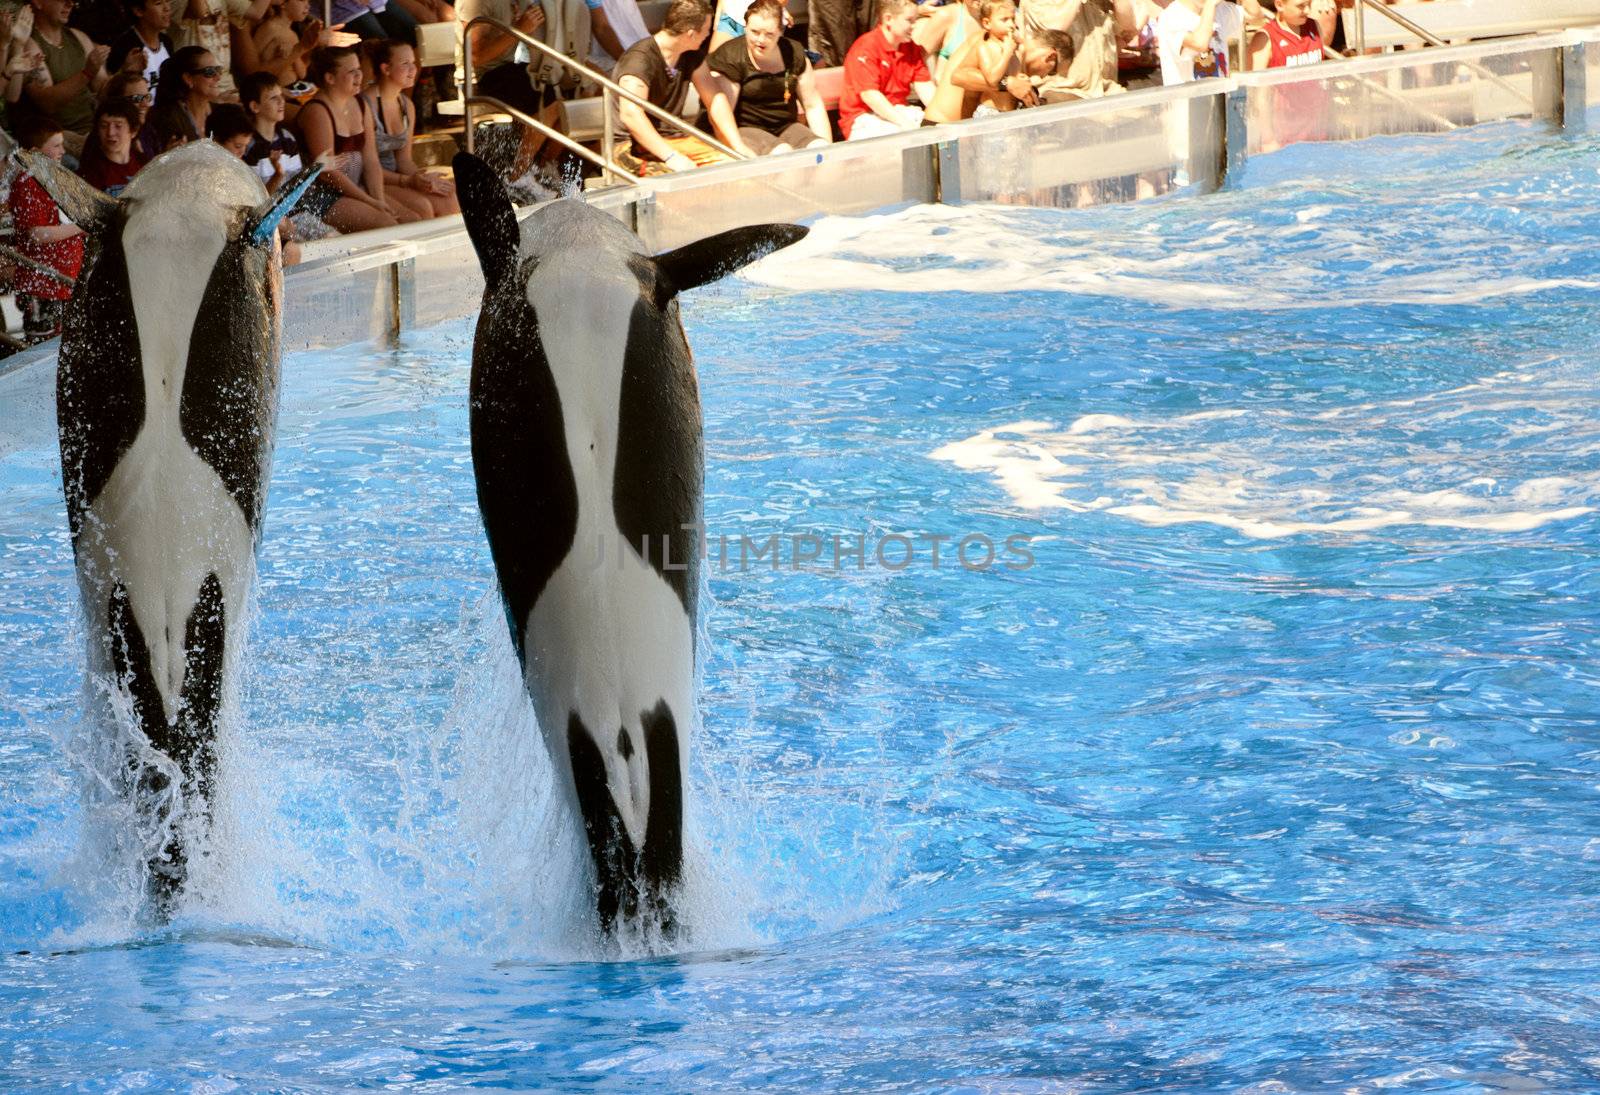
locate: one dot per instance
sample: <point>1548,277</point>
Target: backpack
<point>566,29</point>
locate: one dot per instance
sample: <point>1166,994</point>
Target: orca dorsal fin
<point>491,221</point>
<point>264,219</point>
<point>87,207</point>
<point>704,261</point>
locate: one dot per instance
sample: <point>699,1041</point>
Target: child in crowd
<point>45,236</point>
<point>275,154</point>
<point>987,76</point>
<point>1194,37</point>
<point>232,129</point>
<point>110,158</point>
<point>144,47</point>
<point>394,71</point>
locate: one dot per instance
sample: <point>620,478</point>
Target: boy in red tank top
<point>1291,39</point>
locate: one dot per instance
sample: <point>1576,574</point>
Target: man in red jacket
<point>880,71</point>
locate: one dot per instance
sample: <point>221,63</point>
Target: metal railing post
<point>608,138</point>
<point>1575,88</point>
<point>467,85</point>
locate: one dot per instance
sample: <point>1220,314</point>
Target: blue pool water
<point>1279,766</point>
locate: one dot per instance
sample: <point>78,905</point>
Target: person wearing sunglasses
<point>132,88</point>
<point>191,82</point>
<point>75,69</point>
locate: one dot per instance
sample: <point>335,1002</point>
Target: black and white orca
<point>585,418</point>
<point>166,401</point>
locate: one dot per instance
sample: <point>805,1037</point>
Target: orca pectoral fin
<point>490,219</point>
<point>264,219</point>
<point>87,207</point>
<point>704,261</point>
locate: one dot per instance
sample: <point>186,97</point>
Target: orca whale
<point>166,401</point>
<point>585,423</point>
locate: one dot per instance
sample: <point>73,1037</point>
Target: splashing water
<point>1276,768</point>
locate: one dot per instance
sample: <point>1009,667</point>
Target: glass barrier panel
<point>841,179</point>
<point>1087,158</point>
<point>1461,88</point>
<point>335,306</point>
<point>447,284</point>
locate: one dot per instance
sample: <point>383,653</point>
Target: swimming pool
<point>1276,762</point>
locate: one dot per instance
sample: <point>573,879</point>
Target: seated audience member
<point>286,37</point>
<point>131,88</point>
<point>143,47</point>
<point>661,69</point>
<point>1292,37</point>
<point>210,25</point>
<point>729,18</point>
<point>232,129</point>
<point>337,124</point>
<point>75,68</point>
<point>275,154</point>
<point>394,69</point>
<point>942,33</point>
<point>993,75</point>
<point>880,72</point>
<point>21,59</point>
<point>614,26</point>
<point>1194,37</point>
<point>41,236</point>
<point>1094,28</point>
<point>766,100</point>
<point>191,84</point>
<point>498,74</point>
<point>110,158</point>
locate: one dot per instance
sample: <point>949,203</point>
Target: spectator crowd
<point>104,86</point>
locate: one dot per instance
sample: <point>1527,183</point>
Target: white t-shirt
<point>1175,24</point>
<point>152,63</point>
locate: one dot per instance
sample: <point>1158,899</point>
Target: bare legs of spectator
<point>350,215</point>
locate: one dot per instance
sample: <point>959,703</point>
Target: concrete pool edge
<point>376,285</point>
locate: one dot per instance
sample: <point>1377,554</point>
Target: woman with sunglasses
<point>336,123</point>
<point>131,88</point>
<point>394,66</point>
<point>767,100</point>
<point>191,81</point>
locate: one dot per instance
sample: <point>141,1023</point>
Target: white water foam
<point>954,249</point>
<point>1270,473</point>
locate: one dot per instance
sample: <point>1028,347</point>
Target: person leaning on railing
<point>767,100</point>
<point>661,69</point>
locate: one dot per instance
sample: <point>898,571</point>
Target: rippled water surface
<point>1266,753</point>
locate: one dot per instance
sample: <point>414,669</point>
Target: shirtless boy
<point>989,75</point>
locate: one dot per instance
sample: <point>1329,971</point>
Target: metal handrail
<point>1434,40</point>
<point>1394,96</point>
<point>608,88</point>
<point>549,131</point>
